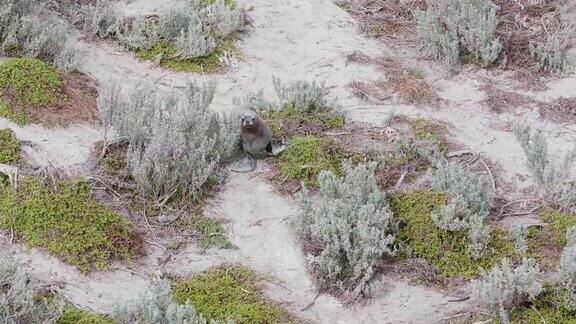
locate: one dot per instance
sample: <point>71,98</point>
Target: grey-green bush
<point>30,29</point>
<point>304,96</point>
<point>352,222</point>
<point>453,27</point>
<point>469,206</point>
<point>19,294</point>
<point>194,41</point>
<point>175,142</point>
<point>254,101</point>
<point>157,306</point>
<point>504,287</point>
<point>567,268</point>
<point>554,178</point>
<point>99,18</point>
<point>557,53</point>
<point>193,28</point>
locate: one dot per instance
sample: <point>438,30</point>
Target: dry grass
<point>408,85</point>
<point>562,110</point>
<point>523,22</point>
<point>500,100</point>
<point>76,102</point>
<point>385,18</point>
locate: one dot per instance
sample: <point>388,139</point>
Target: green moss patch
<point>288,121</point>
<point>229,3</point>
<point>212,233</point>
<point>206,64</point>
<point>229,294</point>
<point>77,316</point>
<point>550,307</point>
<point>16,117</point>
<point>306,156</point>
<point>559,223</point>
<point>30,81</point>
<point>545,244</point>
<point>447,251</point>
<point>430,132</point>
<point>68,223</point>
<point>26,83</point>
<point>9,147</point>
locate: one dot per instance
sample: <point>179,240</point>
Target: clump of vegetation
<point>303,114</point>
<point>212,233</point>
<point>352,225</point>
<point>223,294</point>
<point>448,251</point>
<point>429,132</point>
<point>550,307</point>
<point>404,159</point>
<point>29,28</point>
<point>175,143</point>
<point>554,178</point>
<point>468,207</point>
<point>304,109</point>
<point>78,316</point>
<point>557,304</point>
<point>504,287</point>
<point>190,36</point>
<point>157,306</point>
<point>303,96</point>
<point>556,53</point>
<point>559,223</point>
<point>307,156</point>
<point>452,29</point>
<point>21,299</point>
<point>545,243</point>
<point>27,84</point>
<point>68,222</point>
<point>9,147</point>
<point>566,276</point>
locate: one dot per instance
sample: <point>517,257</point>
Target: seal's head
<point>248,120</point>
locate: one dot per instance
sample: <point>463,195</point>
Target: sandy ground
<point>291,39</point>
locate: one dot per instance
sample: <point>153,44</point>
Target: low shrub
<point>68,223</point>
<point>224,294</point>
<point>567,268</point>
<point>305,108</point>
<point>157,306</point>
<point>450,29</point>
<point>303,96</point>
<point>21,294</point>
<point>352,224</point>
<point>9,147</point>
<point>554,178</point>
<point>550,306</point>
<point>189,36</point>
<point>175,143</point>
<point>504,287</point>
<point>468,207</point>
<point>29,28</point>
<point>557,53</point>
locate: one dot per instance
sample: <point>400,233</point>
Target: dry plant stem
<point>307,307</point>
<point>489,174</point>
